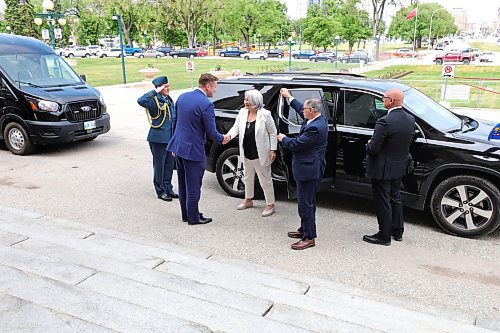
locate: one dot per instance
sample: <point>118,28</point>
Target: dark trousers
<point>387,196</point>
<point>306,199</point>
<point>190,176</point>
<point>163,167</point>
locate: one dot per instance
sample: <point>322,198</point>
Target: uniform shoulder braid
<point>162,110</point>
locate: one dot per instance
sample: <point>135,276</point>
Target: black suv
<point>457,169</point>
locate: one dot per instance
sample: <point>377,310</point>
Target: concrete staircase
<point>62,276</point>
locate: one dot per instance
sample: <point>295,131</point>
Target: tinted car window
<point>230,96</point>
<point>362,109</point>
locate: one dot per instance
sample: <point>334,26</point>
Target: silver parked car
<point>149,54</point>
<point>113,52</point>
<point>77,52</point>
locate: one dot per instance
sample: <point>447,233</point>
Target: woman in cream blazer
<point>256,130</point>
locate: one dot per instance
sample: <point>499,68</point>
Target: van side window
<point>362,109</point>
<point>302,95</point>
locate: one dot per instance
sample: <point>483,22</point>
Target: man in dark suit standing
<point>160,110</point>
<point>195,120</point>
<point>387,162</point>
<point>308,165</point>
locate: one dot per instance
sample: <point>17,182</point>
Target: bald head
<point>395,98</point>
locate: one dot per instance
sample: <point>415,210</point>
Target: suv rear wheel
<point>229,171</point>
<point>17,139</point>
<point>466,61</point>
<point>466,206</point>
<point>439,61</point>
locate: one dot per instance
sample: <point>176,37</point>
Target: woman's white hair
<point>255,98</point>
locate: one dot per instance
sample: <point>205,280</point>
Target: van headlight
<point>48,106</point>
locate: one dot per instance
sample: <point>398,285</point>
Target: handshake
<point>227,138</point>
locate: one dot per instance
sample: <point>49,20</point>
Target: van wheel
<point>466,206</point>
<point>466,61</point>
<point>17,139</point>
<point>439,62</point>
<point>71,55</point>
<point>229,171</point>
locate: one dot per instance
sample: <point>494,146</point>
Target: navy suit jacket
<point>163,133</point>
<point>388,150</point>
<point>195,120</point>
<point>309,148</point>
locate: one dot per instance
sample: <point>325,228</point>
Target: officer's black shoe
<point>397,237</point>
<point>165,197</point>
<point>202,220</point>
<point>375,239</point>
<point>174,195</point>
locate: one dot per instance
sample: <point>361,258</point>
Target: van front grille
<point>83,111</point>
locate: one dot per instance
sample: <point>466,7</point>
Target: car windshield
<point>431,112</point>
<point>38,70</point>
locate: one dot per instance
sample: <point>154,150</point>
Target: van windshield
<point>38,70</point>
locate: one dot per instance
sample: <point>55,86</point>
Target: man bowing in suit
<point>195,120</point>
<point>387,162</point>
<point>308,165</point>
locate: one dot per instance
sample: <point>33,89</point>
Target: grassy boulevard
<point>427,78</point>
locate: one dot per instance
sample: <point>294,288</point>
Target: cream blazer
<point>265,134</point>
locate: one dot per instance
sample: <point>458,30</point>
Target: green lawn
<point>485,46</point>
<point>107,71</point>
<point>428,80</point>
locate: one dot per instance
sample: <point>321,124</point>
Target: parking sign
<point>448,71</point>
<point>190,66</point>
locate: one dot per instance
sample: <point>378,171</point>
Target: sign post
<point>447,71</point>
<point>190,69</point>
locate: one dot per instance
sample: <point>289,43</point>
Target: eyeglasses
<point>385,97</point>
<point>306,108</point>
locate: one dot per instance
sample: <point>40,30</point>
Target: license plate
<point>89,125</point>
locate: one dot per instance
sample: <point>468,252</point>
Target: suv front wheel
<point>229,171</point>
<point>17,139</point>
<point>466,206</point>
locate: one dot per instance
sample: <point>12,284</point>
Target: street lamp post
<point>430,29</point>
<point>50,16</point>
<point>118,18</point>
<point>337,42</point>
<point>290,40</point>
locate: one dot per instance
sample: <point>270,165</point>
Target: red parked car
<point>201,53</point>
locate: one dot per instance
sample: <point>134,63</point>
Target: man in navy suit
<point>195,120</point>
<point>161,114</point>
<point>387,162</point>
<point>308,165</point>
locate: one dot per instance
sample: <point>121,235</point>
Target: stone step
<point>51,235</point>
<point>155,278</point>
<point>8,238</point>
<point>18,213</point>
<point>20,316</point>
<point>214,316</point>
<point>98,309</point>
<point>240,273</point>
<point>44,266</point>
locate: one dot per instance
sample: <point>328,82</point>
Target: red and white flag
<point>411,14</point>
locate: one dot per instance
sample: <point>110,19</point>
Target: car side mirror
<point>84,77</point>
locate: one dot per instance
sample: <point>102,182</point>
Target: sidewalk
<point>62,276</point>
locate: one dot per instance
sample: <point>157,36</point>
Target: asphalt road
<point>107,183</point>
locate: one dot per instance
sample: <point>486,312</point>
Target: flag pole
<point>415,30</point>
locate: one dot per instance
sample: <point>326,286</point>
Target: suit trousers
<point>163,167</point>
<point>306,199</point>
<point>190,176</point>
<point>252,167</point>
<point>387,196</point>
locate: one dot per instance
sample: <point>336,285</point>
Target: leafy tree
<point>378,7</point>
<point>130,11</point>
<point>355,22</point>
<point>20,18</point>
<point>320,31</point>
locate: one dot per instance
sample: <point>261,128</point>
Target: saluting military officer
<point>160,110</point>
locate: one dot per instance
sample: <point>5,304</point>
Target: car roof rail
<point>312,73</point>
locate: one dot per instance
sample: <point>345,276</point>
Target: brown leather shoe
<point>303,244</point>
<point>295,234</point>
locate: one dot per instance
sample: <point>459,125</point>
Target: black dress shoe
<point>375,239</point>
<point>174,195</point>
<point>202,220</point>
<point>397,238</point>
<point>165,197</point>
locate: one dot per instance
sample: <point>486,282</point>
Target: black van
<point>42,99</point>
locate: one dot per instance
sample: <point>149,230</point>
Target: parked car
<point>464,57</point>
<point>475,51</point>
<point>486,57</point>
<point>93,49</point>
<point>275,53</point>
<point>302,54</point>
<point>440,46</point>
<point>231,51</point>
<point>59,51</point>
<point>356,57</point>
<point>201,52</point>
<point>77,52</point>
<point>457,169</point>
<point>324,56</point>
<point>113,52</point>
<point>43,100</point>
<point>150,54</point>
<point>186,53</point>
<point>130,50</point>
<point>405,53</point>
<point>164,49</point>
<point>262,55</point>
